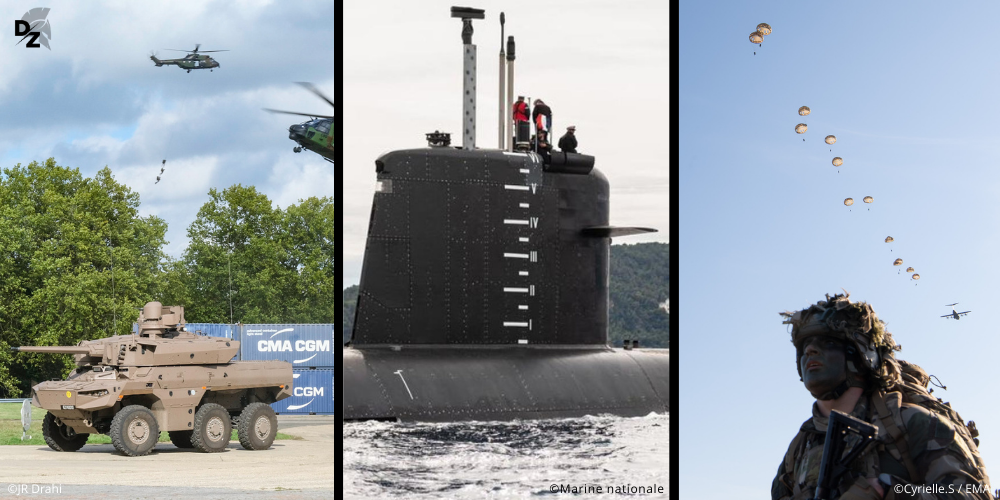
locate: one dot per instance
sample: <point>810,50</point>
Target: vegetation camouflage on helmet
<point>854,323</point>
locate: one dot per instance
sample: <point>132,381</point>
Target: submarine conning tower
<point>485,247</point>
<point>474,246</point>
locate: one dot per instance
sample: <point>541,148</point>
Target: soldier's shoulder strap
<point>897,444</point>
<point>794,450</point>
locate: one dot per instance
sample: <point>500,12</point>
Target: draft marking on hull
<point>517,256</point>
<point>517,222</point>
<point>515,188</point>
<point>511,289</point>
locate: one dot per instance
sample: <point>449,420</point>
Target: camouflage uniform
<point>943,460</point>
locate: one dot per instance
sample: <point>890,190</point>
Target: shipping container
<point>211,329</point>
<point>302,345</point>
<point>312,393</point>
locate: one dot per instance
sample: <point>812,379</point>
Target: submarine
<point>484,284</point>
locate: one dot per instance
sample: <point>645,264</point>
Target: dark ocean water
<point>521,459</point>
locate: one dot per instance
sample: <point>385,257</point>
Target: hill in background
<point>640,295</point>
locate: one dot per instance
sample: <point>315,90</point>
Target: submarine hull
<point>448,383</point>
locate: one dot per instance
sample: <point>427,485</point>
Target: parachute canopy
<point>869,199</point>
<point>916,276</point>
<point>888,239</point>
<point>801,128</point>
<point>764,28</point>
<point>898,262</point>
<point>830,139</point>
<point>849,201</point>
<point>756,37</point>
<point>838,161</point>
<point>804,111</point>
<point>909,269</point>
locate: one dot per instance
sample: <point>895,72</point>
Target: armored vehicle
<point>162,378</point>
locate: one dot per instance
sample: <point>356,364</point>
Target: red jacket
<point>520,111</point>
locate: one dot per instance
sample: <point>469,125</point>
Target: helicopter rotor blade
<point>207,51</point>
<point>294,113</point>
<point>312,88</point>
<point>196,47</point>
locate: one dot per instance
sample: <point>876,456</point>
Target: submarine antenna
<point>510,93</point>
<point>467,14</point>
<point>502,123</point>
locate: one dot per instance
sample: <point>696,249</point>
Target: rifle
<point>834,462</point>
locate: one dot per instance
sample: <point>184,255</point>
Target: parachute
<point>830,139</point>
<point>898,262</point>
<point>869,199</point>
<point>909,269</point>
<point>764,28</point>
<point>801,128</point>
<point>916,276</point>
<point>849,201</point>
<point>756,37</point>
<point>838,161</point>
<point>888,239</point>
<point>804,111</point>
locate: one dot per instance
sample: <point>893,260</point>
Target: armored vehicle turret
<point>162,378</point>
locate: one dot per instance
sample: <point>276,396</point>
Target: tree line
<point>639,288</point>
<point>78,261</point>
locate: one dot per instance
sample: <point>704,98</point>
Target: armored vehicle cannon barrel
<point>163,378</point>
<point>53,349</point>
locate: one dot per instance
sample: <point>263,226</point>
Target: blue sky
<point>909,90</point>
<point>96,99</point>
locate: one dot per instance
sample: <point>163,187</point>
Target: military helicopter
<point>194,59</point>
<point>316,135</point>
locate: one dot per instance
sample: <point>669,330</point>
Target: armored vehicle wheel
<point>181,439</point>
<point>212,428</point>
<point>134,431</point>
<point>258,426</point>
<point>61,437</point>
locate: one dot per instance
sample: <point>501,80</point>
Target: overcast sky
<point>598,65</point>
<point>96,99</point>
<point>910,92</point>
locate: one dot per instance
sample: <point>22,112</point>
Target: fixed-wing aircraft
<point>955,314</point>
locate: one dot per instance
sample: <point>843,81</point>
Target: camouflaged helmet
<point>857,325</point>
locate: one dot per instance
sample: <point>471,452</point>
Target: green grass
<point>10,428</point>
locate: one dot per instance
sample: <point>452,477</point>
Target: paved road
<point>290,469</point>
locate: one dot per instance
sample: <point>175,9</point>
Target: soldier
<point>846,360</point>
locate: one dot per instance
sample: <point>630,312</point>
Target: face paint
<point>823,364</point>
